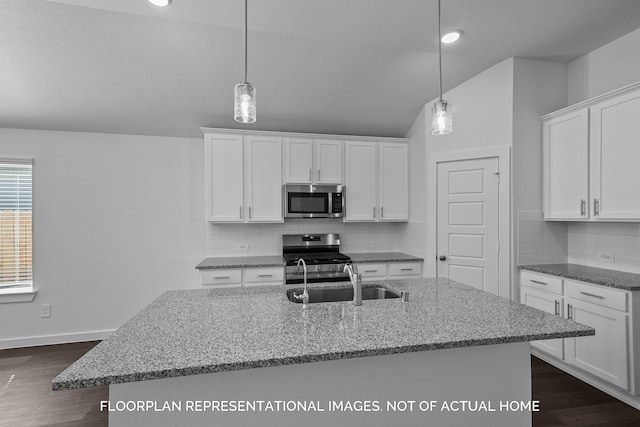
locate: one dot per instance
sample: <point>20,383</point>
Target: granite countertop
<point>362,258</point>
<point>200,331</point>
<point>597,276</point>
<point>241,262</point>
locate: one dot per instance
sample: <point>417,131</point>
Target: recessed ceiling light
<point>160,2</point>
<point>451,36</point>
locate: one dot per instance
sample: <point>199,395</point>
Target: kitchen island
<point>198,357</point>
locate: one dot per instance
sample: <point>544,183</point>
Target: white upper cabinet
<point>393,182</point>
<point>317,161</point>
<point>376,181</point>
<point>243,181</point>
<point>615,154</point>
<point>565,147</point>
<point>224,170</point>
<point>590,158</point>
<point>263,179</point>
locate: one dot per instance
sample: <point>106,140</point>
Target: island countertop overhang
<point>201,331</point>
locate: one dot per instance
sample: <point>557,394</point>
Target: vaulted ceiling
<point>333,66</point>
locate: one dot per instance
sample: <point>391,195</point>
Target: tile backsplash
<point>539,241</point>
<point>593,243</point>
<point>266,239</point>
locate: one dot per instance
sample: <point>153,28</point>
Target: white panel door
<point>565,142</point>
<point>263,189</point>
<point>393,186</point>
<point>605,354</point>
<point>467,222</point>
<point>360,181</point>
<point>615,144</point>
<point>327,154</point>
<point>548,303</point>
<point>224,174</point>
<point>298,160</point>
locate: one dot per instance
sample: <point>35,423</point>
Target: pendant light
<point>244,110</point>
<point>441,120</point>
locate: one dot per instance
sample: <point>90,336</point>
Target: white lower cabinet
<point>608,355</point>
<point>236,277</point>
<point>390,270</point>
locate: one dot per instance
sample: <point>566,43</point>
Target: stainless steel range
<point>321,253</point>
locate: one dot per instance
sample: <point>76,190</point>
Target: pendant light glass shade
<point>244,110</point>
<point>441,119</point>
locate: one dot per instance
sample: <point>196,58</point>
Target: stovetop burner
<point>321,255</point>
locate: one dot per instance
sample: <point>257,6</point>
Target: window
<point>16,272</point>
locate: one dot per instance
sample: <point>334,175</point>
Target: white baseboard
<point>53,339</point>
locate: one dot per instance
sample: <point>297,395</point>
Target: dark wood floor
<point>26,399</point>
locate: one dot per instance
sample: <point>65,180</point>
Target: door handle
<point>596,207</point>
<point>442,258</point>
<point>583,207</point>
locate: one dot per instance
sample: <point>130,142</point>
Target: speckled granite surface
<point>363,258</point>
<point>201,331</point>
<point>241,262</point>
<point>598,276</point>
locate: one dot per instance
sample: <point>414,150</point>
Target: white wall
<point>118,219</point>
<point>610,67</point>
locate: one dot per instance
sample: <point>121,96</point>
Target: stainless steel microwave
<point>313,201</point>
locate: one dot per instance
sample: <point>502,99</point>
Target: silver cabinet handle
<point>249,212</point>
<point>406,269</point>
<point>592,295</point>
<point>583,207</point>
<point>382,212</point>
<point>538,282</point>
<point>318,175</point>
<point>374,211</point>
<point>371,271</point>
<point>557,308</point>
<point>240,212</point>
<point>569,312</point>
<point>596,207</point>
<point>265,275</point>
<point>221,277</point>
<point>310,175</point>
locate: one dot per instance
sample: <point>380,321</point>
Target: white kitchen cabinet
<point>405,270</point>
<point>376,181</point>
<point>607,356</point>
<point>565,147</point>
<point>590,154</point>
<point>263,179</point>
<point>317,161</point>
<point>389,270</point>
<point>236,277</point>
<point>615,151</point>
<point>243,181</point>
<point>224,178</point>
<point>372,271</point>
<point>549,303</point>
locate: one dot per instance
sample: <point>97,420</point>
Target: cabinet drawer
<point>405,269</point>
<point>221,277</point>
<point>598,295</point>
<point>270,274</point>
<point>370,271</point>
<point>541,281</point>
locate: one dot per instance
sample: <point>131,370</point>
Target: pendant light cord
<point>245,41</point>
<point>439,51</point>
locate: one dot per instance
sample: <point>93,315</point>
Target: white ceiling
<point>333,66</point>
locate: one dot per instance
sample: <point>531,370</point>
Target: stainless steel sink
<point>343,294</point>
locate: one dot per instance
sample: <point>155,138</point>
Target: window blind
<point>15,223</point>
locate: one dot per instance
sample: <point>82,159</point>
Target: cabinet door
<point>393,182</point>
<point>566,166</point>
<point>298,161</point>
<point>548,303</point>
<point>360,181</point>
<point>328,161</point>
<point>615,154</point>
<point>263,189</point>
<point>223,178</point>
<point>604,355</point>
